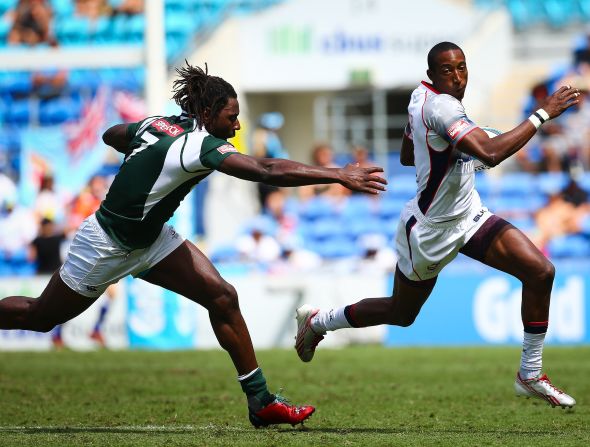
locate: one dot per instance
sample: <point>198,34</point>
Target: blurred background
<point>324,82</point>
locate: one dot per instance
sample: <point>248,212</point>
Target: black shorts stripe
<point>480,242</point>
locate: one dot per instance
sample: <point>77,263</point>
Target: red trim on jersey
<point>466,133</point>
<point>430,87</point>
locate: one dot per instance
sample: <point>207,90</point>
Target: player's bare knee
<point>544,274</point>
<point>225,300</point>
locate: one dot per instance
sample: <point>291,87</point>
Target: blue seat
<point>84,81</point>
<point>391,207</point>
<point>365,226</point>
<point>402,186</point>
<point>551,182</point>
<point>62,8</point>
<point>560,13</point>
<point>584,182</point>
<point>525,223</point>
<point>73,30</point>
<point>518,183</point>
<point>584,10</point>
<point>336,248</point>
<point>18,112</point>
<point>570,246</point>
<point>15,83</point>
<point>224,253</point>
<point>516,204</point>
<point>136,28</point>
<point>178,24</point>
<point>102,31</point>
<point>323,229</point>
<point>60,110</point>
<point>317,207</point>
<point>358,207</point>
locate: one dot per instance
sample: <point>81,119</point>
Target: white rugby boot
<point>307,339</point>
<point>542,388</point>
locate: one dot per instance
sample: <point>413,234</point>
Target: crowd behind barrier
<point>544,190</point>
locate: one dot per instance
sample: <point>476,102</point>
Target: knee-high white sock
<point>330,320</point>
<point>531,359</point>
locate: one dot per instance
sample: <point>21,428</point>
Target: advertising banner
<point>473,305</point>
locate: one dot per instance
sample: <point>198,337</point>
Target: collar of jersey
<point>430,87</point>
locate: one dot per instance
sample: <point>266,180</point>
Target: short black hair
<point>440,47</point>
<point>195,90</point>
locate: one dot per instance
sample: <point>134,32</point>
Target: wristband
<point>535,120</point>
<point>543,116</point>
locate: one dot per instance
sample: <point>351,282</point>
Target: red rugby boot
<point>280,411</point>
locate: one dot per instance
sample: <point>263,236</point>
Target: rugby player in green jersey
<point>164,158</point>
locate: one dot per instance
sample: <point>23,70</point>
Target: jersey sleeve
<point>446,116</point>
<point>132,129</point>
<point>214,151</point>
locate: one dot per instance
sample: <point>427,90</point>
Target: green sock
<point>256,390</point>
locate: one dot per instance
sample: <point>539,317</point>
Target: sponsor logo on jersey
<point>226,148</point>
<point>457,128</point>
<point>164,126</point>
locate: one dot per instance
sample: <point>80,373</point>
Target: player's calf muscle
<point>18,312</point>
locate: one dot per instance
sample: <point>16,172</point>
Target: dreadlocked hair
<point>195,90</point>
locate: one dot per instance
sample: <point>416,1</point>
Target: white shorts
<point>94,261</point>
<point>424,248</point>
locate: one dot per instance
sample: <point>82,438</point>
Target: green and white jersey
<point>167,157</point>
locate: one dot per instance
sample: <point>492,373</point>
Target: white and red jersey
<point>445,176</point>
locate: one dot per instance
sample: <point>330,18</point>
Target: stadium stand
<point>556,14</point>
<point>332,229</point>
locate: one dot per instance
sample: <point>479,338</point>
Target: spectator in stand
<point>45,249</point>
<point>127,7</point>
<point>361,156</point>
<point>258,246</point>
<point>377,256</point>
<point>31,23</point>
<point>295,258</point>
<point>563,214</point>
<point>48,84</point>
<point>92,9</point>
<point>7,189</point>
<point>84,205</point>
<point>323,155</point>
<point>267,144</point>
<point>45,252</point>
<point>87,202</point>
<point>17,228</point>
<point>48,204</point>
<point>285,221</point>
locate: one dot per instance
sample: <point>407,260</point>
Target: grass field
<point>364,396</point>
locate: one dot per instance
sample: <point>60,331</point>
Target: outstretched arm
<point>116,137</point>
<point>493,151</point>
<point>280,172</point>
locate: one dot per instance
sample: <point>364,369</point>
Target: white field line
<point>120,428</point>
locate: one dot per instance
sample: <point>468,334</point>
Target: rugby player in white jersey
<point>164,158</point>
<point>447,217</point>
